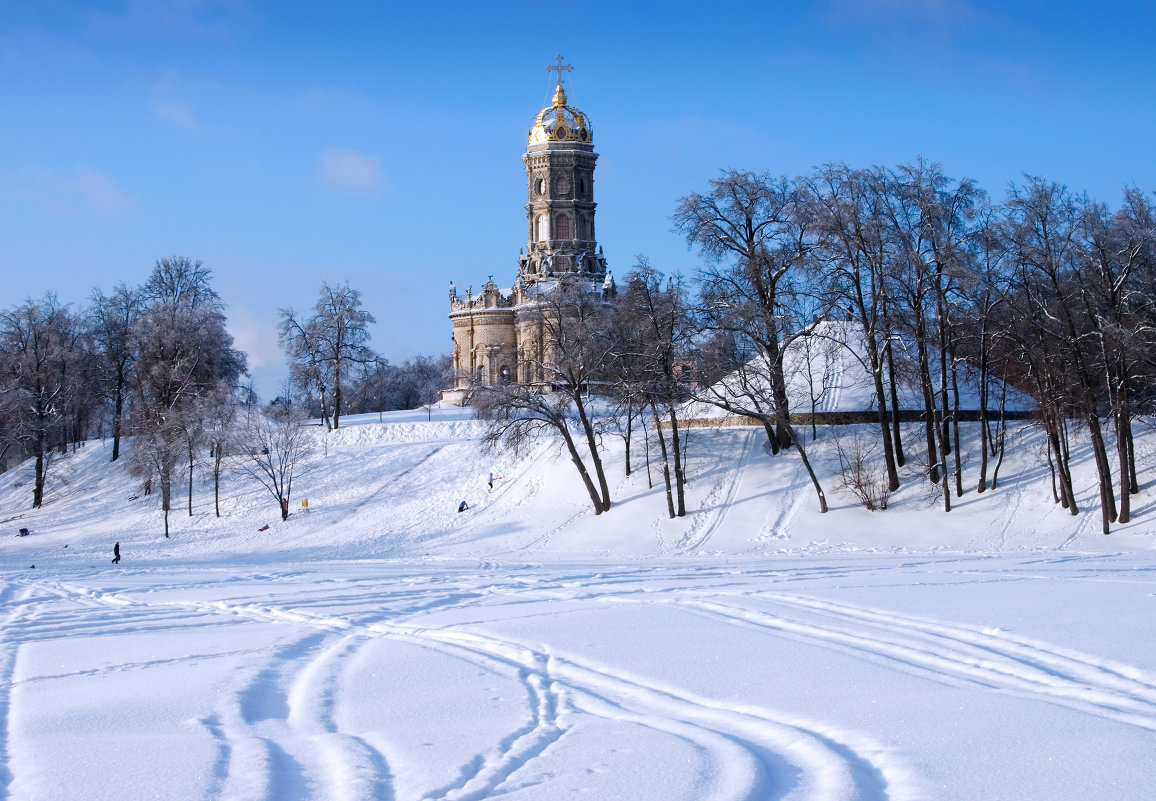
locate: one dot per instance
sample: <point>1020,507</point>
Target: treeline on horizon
<point>1049,291</point>
<point>156,362</point>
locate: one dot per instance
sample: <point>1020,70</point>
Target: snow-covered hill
<point>383,646</point>
<point>389,487</point>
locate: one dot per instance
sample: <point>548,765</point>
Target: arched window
<point>543,227</point>
<point>561,227</point>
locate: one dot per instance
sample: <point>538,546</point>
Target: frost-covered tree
<point>758,234</point>
<point>650,345</point>
<point>273,447</point>
<point>183,355</point>
<point>39,356</point>
<point>111,320</point>
<point>324,348</point>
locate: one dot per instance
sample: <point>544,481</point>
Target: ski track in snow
<point>785,505</point>
<point>961,654</point>
<point>277,730</point>
<point>277,735</point>
<point>719,499</point>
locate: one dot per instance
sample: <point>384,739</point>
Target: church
<point>494,340</point>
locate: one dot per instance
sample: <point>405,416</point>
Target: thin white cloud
<point>83,192</point>
<point>256,336</point>
<point>174,112</point>
<point>351,171</point>
<point>99,193</point>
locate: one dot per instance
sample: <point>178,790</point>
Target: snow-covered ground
<point>380,645</point>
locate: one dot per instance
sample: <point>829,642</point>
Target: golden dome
<point>561,123</point>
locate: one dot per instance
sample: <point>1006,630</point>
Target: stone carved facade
<point>495,336</point>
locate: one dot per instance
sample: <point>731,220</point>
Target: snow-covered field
<point>383,646</point>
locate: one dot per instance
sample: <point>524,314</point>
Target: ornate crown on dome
<point>560,122</point>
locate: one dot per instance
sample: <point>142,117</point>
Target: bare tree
<point>326,346</point>
<point>1118,272</point>
<point>221,430</point>
<point>111,320</point>
<point>651,342</point>
<point>568,318</point>
<point>1043,230</point>
<point>275,445</point>
<point>39,343</point>
<point>765,227</point>
<point>183,353</point>
<point>855,259</point>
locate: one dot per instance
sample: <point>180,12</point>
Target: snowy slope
<point>391,490</point>
<point>384,646</point>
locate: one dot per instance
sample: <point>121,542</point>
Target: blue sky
<point>287,143</point>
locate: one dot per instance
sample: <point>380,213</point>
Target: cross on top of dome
<point>558,67</point>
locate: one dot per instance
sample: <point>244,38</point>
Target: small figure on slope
<point>115,553</point>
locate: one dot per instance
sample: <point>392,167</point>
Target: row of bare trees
<point>1049,293</point>
<point>153,361</point>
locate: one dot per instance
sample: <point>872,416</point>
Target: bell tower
<point>497,333</point>
<point>560,203</point>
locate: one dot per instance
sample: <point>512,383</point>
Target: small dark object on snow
<point>65,546</point>
<point>463,506</point>
<point>23,532</point>
<point>133,497</point>
<point>264,527</point>
<point>32,567</point>
<point>116,553</point>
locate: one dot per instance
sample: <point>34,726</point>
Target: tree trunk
<point>810,471</point>
<point>166,496</point>
<point>1058,444</point>
<point>646,445</point>
<point>679,477</point>
<point>896,432</point>
<point>582,471</point>
<point>1001,437</point>
<point>1122,425</point>
<point>930,423</point>
<point>1104,470</point>
<point>217,456</point>
<point>984,433</point>
<point>190,479</point>
<point>955,430</point>
<point>118,411</point>
<point>38,481</point>
<point>772,438</point>
<point>629,433</point>
<point>595,457</point>
<point>665,462</point>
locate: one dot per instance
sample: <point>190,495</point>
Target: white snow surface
<point>380,645</point>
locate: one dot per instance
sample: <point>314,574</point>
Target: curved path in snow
<point>288,650</point>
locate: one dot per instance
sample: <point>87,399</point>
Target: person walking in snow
<point>491,480</point>
<point>463,506</point>
<point>116,554</point>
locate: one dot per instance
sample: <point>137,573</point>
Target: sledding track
<point>294,647</point>
<point>277,735</point>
